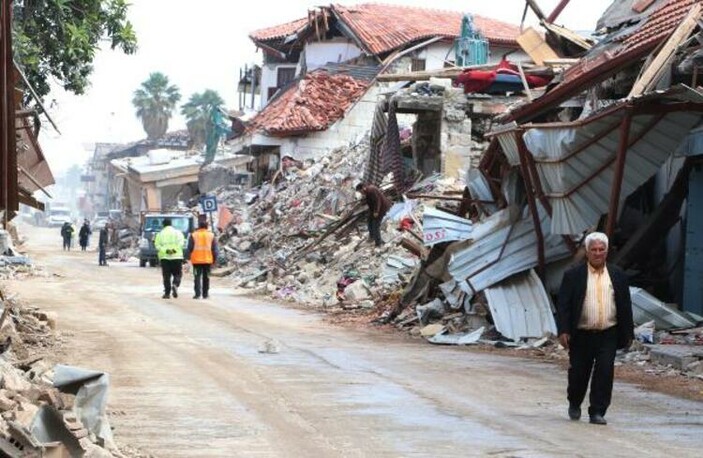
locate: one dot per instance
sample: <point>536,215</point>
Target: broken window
<point>417,65</point>
<point>285,76</point>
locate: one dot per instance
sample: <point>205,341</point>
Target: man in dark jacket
<point>84,235</point>
<point>102,246</point>
<point>67,234</point>
<point>594,320</point>
<point>378,205</point>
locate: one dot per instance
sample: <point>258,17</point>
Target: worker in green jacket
<point>169,243</point>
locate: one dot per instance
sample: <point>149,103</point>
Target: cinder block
<point>678,356</point>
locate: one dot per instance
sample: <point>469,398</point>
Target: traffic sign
<point>208,204</point>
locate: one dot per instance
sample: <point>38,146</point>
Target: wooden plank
<point>534,45</point>
<point>663,59</point>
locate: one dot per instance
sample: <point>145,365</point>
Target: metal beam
<point>557,11</point>
<point>619,173</point>
<point>529,189</point>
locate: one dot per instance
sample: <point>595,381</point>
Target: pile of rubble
<point>302,237</point>
<point>45,409</point>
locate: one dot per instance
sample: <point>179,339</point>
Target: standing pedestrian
<point>378,205</point>
<point>169,243</point>
<point>66,234</point>
<point>102,246</point>
<point>594,320</point>
<point>84,234</point>
<point>202,246</point>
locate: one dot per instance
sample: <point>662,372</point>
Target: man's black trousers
<point>592,352</point>
<point>171,268</point>
<point>374,225</point>
<point>201,275</point>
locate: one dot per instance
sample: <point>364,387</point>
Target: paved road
<point>188,380</point>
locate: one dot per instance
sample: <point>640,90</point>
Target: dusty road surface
<point>187,380</point>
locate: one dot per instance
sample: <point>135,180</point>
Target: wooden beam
<point>618,174</point>
<point>534,45</point>
<point>661,62</point>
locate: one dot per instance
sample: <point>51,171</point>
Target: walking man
<point>67,234</point>
<point>169,243</point>
<point>84,234</point>
<point>102,246</point>
<point>594,320</point>
<point>378,205</point>
<point>202,247</point>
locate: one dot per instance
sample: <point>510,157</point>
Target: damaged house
<point>319,87</point>
<point>614,144</point>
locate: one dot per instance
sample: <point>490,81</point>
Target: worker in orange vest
<point>202,246</point>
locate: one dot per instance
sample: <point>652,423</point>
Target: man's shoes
<point>574,413</point>
<point>598,419</point>
<point>174,291</point>
<point>205,296</point>
<point>197,296</point>
<point>166,296</point>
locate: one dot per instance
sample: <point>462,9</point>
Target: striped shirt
<point>599,304</point>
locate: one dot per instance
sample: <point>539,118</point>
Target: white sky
<point>202,45</point>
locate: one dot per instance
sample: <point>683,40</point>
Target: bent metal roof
<point>382,28</point>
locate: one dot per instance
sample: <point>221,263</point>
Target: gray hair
<point>596,237</point>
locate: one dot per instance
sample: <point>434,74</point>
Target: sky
<point>202,45</point>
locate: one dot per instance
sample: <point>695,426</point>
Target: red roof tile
<point>315,103</point>
<point>383,28</point>
<point>278,31</point>
<point>596,67</point>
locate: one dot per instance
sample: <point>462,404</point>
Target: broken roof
<point>618,50</point>
<point>380,28</point>
<point>313,103</point>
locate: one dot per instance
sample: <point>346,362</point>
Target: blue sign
<point>208,204</point>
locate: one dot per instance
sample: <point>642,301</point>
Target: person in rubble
<point>67,234</point>
<point>169,243</point>
<point>84,234</point>
<point>102,245</point>
<point>202,247</point>
<point>594,312</point>
<point>378,205</point>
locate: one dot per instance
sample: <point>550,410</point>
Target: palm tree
<point>198,113</point>
<point>155,101</point>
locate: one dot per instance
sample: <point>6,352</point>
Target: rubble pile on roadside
<point>304,238</point>
<point>40,414</point>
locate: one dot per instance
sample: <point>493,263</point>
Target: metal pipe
<point>557,11</point>
<point>619,174</point>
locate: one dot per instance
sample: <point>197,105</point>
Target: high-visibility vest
<point>169,242</point>
<point>202,247</point>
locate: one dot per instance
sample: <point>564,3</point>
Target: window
<point>285,76</point>
<point>271,92</point>
<point>417,65</point>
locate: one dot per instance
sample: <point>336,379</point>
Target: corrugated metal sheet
<point>646,307</point>
<point>480,189</point>
<point>439,226</point>
<point>503,252</point>
<point>520,307</point>
<point>579,197</point>
<point>395,266</point>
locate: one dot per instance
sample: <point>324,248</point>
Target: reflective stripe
<point>202,247</point>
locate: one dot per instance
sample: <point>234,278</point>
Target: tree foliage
<point>198,113</point>
<point>59,39</point>
<point>155,101</point>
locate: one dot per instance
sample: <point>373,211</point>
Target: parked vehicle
<point>152,223</point>
<point>58,216</point>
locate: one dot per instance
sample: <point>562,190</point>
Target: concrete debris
<point>36,417</point>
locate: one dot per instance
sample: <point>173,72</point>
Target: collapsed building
<point>598,141</point>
